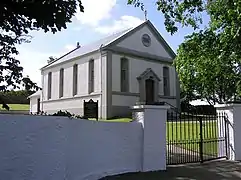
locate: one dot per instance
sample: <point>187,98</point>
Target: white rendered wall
<point>122,100</point>
<point>136,67</point>
<point>134,42</point>
<point>74,105</point>
<point>57,148</point>
<point>233,114</point>
<point>33,104</point>
<point>83,74</point>
<point>153,120</point>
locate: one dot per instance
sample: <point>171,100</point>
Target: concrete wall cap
<point>149,107</point>
<point>227,105</point>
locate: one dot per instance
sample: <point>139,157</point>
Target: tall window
<point>124,75</point>
<point>49,85</point>
<point>91,76</point>
<point>61,82</point>
<point>75,79</point>
<point>166,81</point>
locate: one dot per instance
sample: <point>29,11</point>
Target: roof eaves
<point>166,45</point>
<point>126,34</point>
<point>60,58</point>
<point>69,60</point>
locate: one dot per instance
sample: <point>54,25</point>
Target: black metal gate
<point>195,137</point>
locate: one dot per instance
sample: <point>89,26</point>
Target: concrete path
<point>214,170</point>
<point>178,155</point>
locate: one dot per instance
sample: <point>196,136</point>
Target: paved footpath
<point>214,170</point>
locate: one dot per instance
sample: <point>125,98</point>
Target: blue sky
<point>100,19</point>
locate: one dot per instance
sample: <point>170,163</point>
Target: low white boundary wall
<point>59,148</point>
<point>43,147</point>
<point>233,113</point>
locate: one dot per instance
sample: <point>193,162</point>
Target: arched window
<point>124,75</point>
<point>166,81</point>
<point>91,75</point>
<point>49,84</point>
<point>75,79</point>
<point>61,82</point>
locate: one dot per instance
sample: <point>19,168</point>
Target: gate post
<point>232,128</point>
<point>153,119</point>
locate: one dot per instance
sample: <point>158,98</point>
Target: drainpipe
<point>101,105</point>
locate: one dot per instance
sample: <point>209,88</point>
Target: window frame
<point>124,74</point>
<point>91,75</point>
<point>61,82</point>
<point>75,79</point>
<point>49,92</point>
<point>166,81</point>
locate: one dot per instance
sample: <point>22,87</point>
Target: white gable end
<point>134,42</point>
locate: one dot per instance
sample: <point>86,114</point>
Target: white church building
<point>135,65</point>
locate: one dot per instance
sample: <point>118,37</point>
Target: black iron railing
<point>193,137</point>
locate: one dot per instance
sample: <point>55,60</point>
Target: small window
<point>124,75</point>
<point>75,79</point>
<point>61,83</point>
<point>91,76</point>
<point>49,85</point>
<point>166,81</point>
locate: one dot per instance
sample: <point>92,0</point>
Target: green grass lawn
<point>187,135</point>
<point>114,120</point>
<point>21,107</point>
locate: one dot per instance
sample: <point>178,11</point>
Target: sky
<point>100,18</point>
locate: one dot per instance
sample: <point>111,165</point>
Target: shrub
<point>66,114</point>
<point>62,113</point>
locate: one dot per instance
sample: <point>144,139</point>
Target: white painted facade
<point>68,102</point>
<point>107,74</point>
<point>136,67</point>
<point>134,43</point>
<point>33,107</point>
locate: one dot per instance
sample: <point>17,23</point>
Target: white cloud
<point>124,22</point>
<point>32,61</point>
<point>95,11</point>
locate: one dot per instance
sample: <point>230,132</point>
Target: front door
<point>149,91</point>
<point>38,106</point>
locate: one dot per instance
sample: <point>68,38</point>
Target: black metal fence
<point>193,137</point>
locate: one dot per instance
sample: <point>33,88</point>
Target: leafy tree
<point>29,85</point>
<point>203,70</point>
<point>17,19</point>
<point>208,61</point>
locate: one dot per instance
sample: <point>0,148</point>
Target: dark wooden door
<point>38,106</point>
<point>149,91</point>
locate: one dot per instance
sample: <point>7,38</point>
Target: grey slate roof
<point>88,48</point>
<point>109,41</point>
<point>38,93</point>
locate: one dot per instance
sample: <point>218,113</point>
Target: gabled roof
<point>110,41</point>
<point>87,48</point>
<point>38,93</point>
<point>147,72</point>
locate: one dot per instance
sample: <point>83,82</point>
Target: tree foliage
<point>213,76</point>
<point>208,61</point>
<point>17,19</point>
<point>29,85</point>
